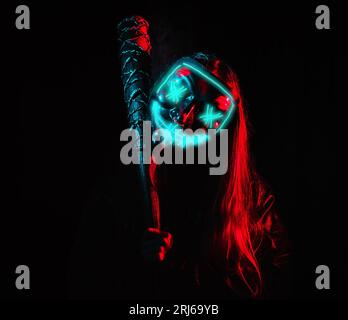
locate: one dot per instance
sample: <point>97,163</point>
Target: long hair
<point>238,230</point>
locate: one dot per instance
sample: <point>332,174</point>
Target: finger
<point>154,234</point>
<point>168,239</point>
<point>155,255</point>
<point>151,233</point>
<point>154,230</point>
<point>154,243</point>
<point>153,251</point>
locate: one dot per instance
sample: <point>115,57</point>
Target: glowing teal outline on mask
<point>209,116</point>
<point>193,66</point>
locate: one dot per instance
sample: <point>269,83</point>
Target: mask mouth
<point>184,119</point>
<point>189,96</point>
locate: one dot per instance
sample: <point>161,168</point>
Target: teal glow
<point>173,70</point>
<point>210,116</point>
<point>176,92</point>
<point>178,136</point>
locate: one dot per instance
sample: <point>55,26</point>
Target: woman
<point>220,236</point>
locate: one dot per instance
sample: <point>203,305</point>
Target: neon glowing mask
<point>189,96</point>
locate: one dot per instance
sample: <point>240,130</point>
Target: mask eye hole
<point>211,117</point>
<point>176,92</point>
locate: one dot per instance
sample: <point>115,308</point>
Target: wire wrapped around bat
<point>135,48</point>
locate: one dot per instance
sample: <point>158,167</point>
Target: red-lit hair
<point>238,227</point>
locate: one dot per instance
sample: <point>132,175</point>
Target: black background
<point>69,114</point>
